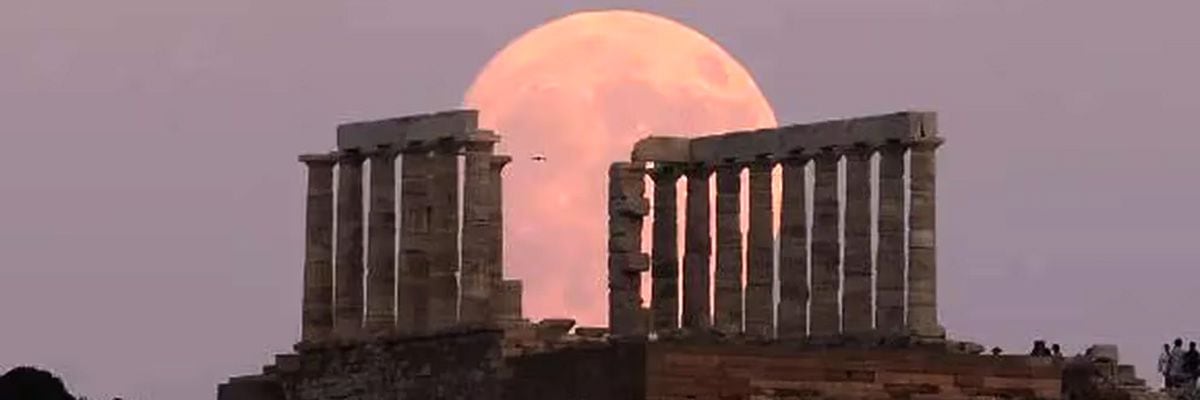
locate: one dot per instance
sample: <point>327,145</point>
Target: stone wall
<point>728,371</point>
<point>461,365</point>
<point>600,371</point>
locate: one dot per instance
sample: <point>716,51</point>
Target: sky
<point>151,204</point>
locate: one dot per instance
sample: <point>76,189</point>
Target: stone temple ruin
<point>435,318</point>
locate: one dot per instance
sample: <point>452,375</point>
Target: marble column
<point>413,287</point>
<point>728,300</point>
<point>793,250</point>
<point>627,206</point>
<point>664,252</point>
<point>826,249</point>
<point>444,257</point>
<point>318,245</point>
<point>891,262</point>
<point>381,243</point>
<point>922,240</point>
<point>760,256</point>
<point>348,275</point>
<point>496,228</point>
<point>477,249</point>
<point>857,298</point>
<point>697,256</point>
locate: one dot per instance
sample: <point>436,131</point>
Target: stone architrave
<point>348,274</point>
<point>697,257</point>
<point>760,256</point>
<point>890,264</point>
<point>381,243</point>
<point>476,280</point>
<point>826,249</point>
<point>793,250</point>
<point>857,299</point>
<point>444,256</point>
<point>664,252</point>
<point>416,236</point>
<point>318,256</point>
<point>627,206</point>
<point>728,300</point>
<point>922,240</point>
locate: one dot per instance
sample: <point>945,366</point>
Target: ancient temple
<point>419,308</point>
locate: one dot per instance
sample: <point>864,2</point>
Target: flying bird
<point>538,157</point>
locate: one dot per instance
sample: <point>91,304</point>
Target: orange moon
<point>580,90</point>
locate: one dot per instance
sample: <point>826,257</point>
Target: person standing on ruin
<point>1039,349</point>
<point>1178,375</point>
<point>1191,365</point>
<point>1164,365</point>
<point>1055,351</point>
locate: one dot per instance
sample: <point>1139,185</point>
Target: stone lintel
<point>409,131</point>
<point>330,157</point>
<point>662,149</point>
<point>781,142</point>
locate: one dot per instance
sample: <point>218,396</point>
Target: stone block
<point>743,146</point>
<point>408,131</point>
<point>662,149</point>
<point>1103,353</point>
<point>554,328</point>
<point>629,262</point>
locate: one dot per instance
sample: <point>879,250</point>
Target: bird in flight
<point>538,157</point>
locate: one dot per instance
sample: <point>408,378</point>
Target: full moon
<point>580,90</point>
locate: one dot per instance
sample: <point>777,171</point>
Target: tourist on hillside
<point>1178,375</point>
<point>1055,351</point>
<point>1191,365</point>
<point>1039,349</point>
<point>1164,365</point>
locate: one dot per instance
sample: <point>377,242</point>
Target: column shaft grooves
<point>664,254</point>
<point>889,282</point>
<point>381,244</point>
<point>760,263</point>
<point>728,300</point>
<point>444,256</point>
<point>922,267</point>
<point>477,285</point>
<point>826,250</point>
<point>857,303</point>
<point>627,206</point>
<point>793,251</point>
<point>415,237</point>
<point>348,309</point>
<point>697,251</point>
<point>318,257</point>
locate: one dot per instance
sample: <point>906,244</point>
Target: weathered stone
<point>318,250</point>
<point>793,251</point>
<point>922,250</point>
<point>664,252</point>
<point>554,328</point>
<point>381,244</point>
<point>760,257</point>
<point>891,263</point>
<point>410,133</point>
<point>857,301</point>
<point>697,250</point>
<point>478,203</point>
<point>495,231</point>
<point>348,275</point>
<point>626,186</point>
<point>508,301</point>
<point>416,235</point>
<point>444,257</point>
<point>728,301</point>
<point>826,249</point>
<point>662,149</point>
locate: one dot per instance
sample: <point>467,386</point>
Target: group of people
<point>1179,367</point>
<point>1040,350</point>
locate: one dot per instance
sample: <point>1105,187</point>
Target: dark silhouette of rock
<point>29,383</point>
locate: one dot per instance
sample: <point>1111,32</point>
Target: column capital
<point>893,147</point>
<point>666,172</point>
<point>828,154</point>
<point>382,152</point>
<point>698,170</point>
<point>349,156</point>
<point>760,164</point>
<point>929,143</point>
<point>499,161</point>
<point>859,151</point>
<point>318,159</point>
